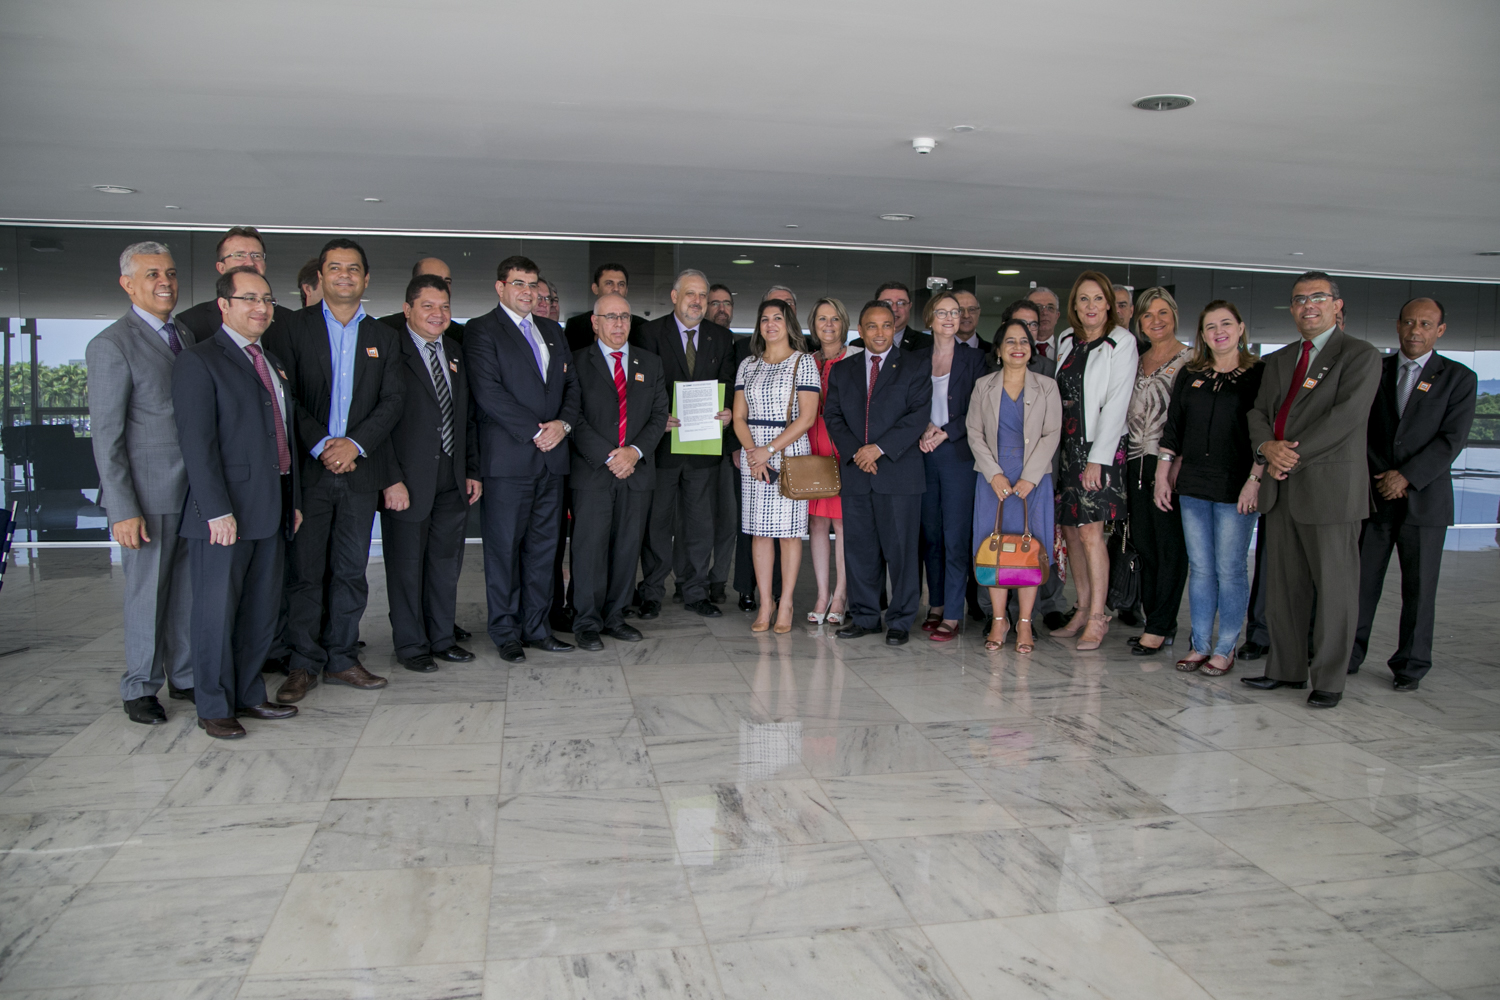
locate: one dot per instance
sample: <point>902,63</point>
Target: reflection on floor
<point>715,814</point>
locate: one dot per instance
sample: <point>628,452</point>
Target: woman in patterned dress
<point>776,396</point>
<point>829,324</point>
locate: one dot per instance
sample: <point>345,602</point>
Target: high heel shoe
<point>1080,619</point>
<point>835,617</point>
<point>1094,632</point>
<point>760,627</point>
<point>818,617</point>
<point>780,628</point>
<point>993,644</point>
<point>1023,647</point>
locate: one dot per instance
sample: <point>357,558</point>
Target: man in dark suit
<point>1048,310</point>
<point>525,387</point>
<point>691,350</point>
<point>234,423</point>
<point>624,412</point>
<point>876,412</point>
<point>1418,425</point>
<point>346,376</point>
<point>242,246</point>
<point>969,311</point>
<point>433,266</point>
<point>1309,424</point>
<point>609,279</point>
<point>727,494</point>
<point>897,298</point>
<point>435,461</point>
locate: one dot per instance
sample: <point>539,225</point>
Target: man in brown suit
<point>1309,424</point>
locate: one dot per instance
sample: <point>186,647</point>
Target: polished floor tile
<point>1333,770</point>
<point>856,750</point>
<point>1005,742</point>
<point>572,682</point>
<point>566,765</point>
<point>552,720</point>
<point>391,772</point>
<point>1207,782</point>
<point>1078,791</point>
<point>759,751</point>
<point>135,781</point>
<point>463,981</point>
<point>226,777</point>
<point>890,964</point>
<point>215,841</point>
<point>915,804</point>
<point>685,973</point>
<point>1454,829</point>
<point>712,821</point>
<point>62,846</point>
<point>441,724</point>
<point>357,834</point>
<point>574,825</point>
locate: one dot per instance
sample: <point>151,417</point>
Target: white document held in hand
<point>697,409</point>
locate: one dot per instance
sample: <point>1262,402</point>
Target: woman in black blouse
<point>1205,458</point>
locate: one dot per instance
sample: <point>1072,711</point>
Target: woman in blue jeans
<point>1205,458</point>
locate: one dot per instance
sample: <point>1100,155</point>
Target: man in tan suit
<point>1309,424</point>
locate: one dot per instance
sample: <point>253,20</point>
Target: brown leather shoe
<point>357,677</point>
<point>222,729</point>
<point>267,710</point>
<point>295,687</point>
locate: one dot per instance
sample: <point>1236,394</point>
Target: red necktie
<point>1041,350</point>
<point>283,453</point>
<point>620,390</point>
<point>1291,394</point>
<point>870,391</point>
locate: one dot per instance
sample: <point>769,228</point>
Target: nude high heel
<point>1095,632</point>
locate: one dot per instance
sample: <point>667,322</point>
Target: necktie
<point>870,391</point>
<point>173,341</point>
<point>283,454</point>
<point>1041,350</point>
<point>620,390</point>
<point>536,348</point>
<point>1291,394</point>
<point>691,350</point>
<point>444,394</point>
<point>1404,385</point>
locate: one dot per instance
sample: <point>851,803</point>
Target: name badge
<point>453,367</point>
<point>1423,386</point>
<point>1311,383</point>
<point>372,352</point>
<point>641,378</point>
<point>1197,383</point>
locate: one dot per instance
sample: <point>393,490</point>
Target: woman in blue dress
<point>1014,425</point>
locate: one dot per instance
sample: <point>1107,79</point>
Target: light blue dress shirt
<point>343,341</point>
<point>158,325</point>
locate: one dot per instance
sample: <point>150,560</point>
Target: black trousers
<point>881,532</point>
<point>1157,536</point>
<point>1256,630</point>
<point>335,538</point>
<point>608,526</point>
<point>1419,548</point>
<point>692,488</point>
<point>562,595</point>
<point>236,592</point>
<point>520,541</point>
<point>421,569</point>
<point>726,522</point>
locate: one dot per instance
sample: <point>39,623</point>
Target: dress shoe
<point>360,643</point>
<point>356,676</point>
<point>1136,649</point>
<point>179,694</point>
<point>624,633</point>
<point>146,710</point>
<point>1270,684</point>
<point>511,651</point>
<point>1402,684</point>
<point>1055,620</point>
<point>295,687</point>
<point>561,621</point>
<point>716,594</point>
<point>453,654</point>
<point>1353,669</point>
<point>854,630</point>
<point>676,595</point>
<point>547,644</point>
<point>897,637</point>
<point>747,603</point>
<point>705,608</point>
<point>461,634</point>
<point>277,665</point>
<point>222,729</point>
<point>648,610</point>
<point>1252,651</point>
<point>589,640</point>
<point>1325,699</point>
<point>267,711</point>
<point>419,664</point>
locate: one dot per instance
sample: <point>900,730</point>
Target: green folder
<point>708,446</point>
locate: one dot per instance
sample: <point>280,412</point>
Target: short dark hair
<point>341,243</point>
<point>890,286</point>
<point>873,304</point>
<point>599,272</point>
<point>308,276</point>
<point>719,288</point>
<point>1015,307</point>
<point>224,287</point>
<point>515,262</point>
<point>1442,313</point>
<point>1333,286</point>
<point>249,232</point>
<point>414,286</point>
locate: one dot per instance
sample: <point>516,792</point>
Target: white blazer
<point>1108,381</point>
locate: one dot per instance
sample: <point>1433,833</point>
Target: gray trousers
<point>1307,562</point>
<point>158,611</point>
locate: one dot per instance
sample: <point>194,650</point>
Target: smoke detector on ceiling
<point>1164,102</point>
<point>897,217</point>
<point>113,189</point>
<point>924,145</point>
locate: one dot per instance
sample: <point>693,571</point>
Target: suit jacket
<point>225,423</point>
<point>374,406</point>
<point>911,341</point>
<point>510,397</point>
<point>416,443</point>
<point>598,430</point>
<point>397,321</point>
<point>579,332</point>
<point>1330,483</point>
<point>130,416</point>
<point>715,361</point>
<point>1041,428</point>
<point>1423,441</point>
<point>968,367</point>
<point>204,320</point>
<point>898,411</point>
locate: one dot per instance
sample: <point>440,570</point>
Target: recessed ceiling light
<point>897,217</point>
<point>1488,253</point>
<point>963,128</point>
<point>791,225</point>
<point>742,260</point>
<point>1164,102</point>
<point>1008,271</point>
<point>372,199</point>
<point>173,208</point>
<point>113,189</point>
<point>1296,253</point>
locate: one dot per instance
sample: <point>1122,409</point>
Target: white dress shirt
<point>609,364</point>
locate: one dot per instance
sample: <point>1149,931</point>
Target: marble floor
<point>715,814</point>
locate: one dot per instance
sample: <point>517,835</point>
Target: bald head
<point>612,320</point>
<point>432,265</point>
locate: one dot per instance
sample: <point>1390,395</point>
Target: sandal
<point>1079,620</point>
<point>817,617</point>
<point>1023,647</point>
<point>1213,671</point>
<point>835,617</point>
<point>945,632</point>
<point>1187,664</point>
<point>1093,635</point>
<point>994,644</point>
<point>933,621</point>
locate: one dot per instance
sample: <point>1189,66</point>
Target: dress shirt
<point>1421,363</point>
<point>541,342</point>
<point>609,366</point>
<point>682,331</point>
<point>971,342</point>
<point>422,342</point>
<point>158,325</point>
<point>869,360</point>
<point>897,340</point>
<point>279,402</point>
<point>1319,342</point>
<point>343,340</point>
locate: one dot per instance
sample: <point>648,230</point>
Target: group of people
<point>245,450</point>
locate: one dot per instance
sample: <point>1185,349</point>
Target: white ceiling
<point>1360,133</point>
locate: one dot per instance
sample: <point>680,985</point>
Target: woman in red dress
<point>829,325</point>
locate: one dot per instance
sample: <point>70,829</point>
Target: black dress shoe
<point>1353,669</point>
<point>1167,640</point>
<point>589,640</point>
<point>676,595</point>
<point>419,664</point>
<point>648,610</point>
<point>267,711</point>
<point>897,637</point>
<point>222,729</point>
<point>277,665</point>
<point>146,710</point>
<point>561,621</point>
<point>1055,620</point>
<point>747,603</point>
<point>1136,649</point>
<point>1269,684</point>
<point>511,652</point>
<point>716,594</point>
<point>461,634</point>
<point>624,633</point>
<point>854,630</point>
<point>1252,651</point>
<point>360,643</point>
<point>453,654</point>
<point>547,644</point>
<point>179,694</point>
<point>1402,684</point>
<point>1325,699</point>
<point>705,608</point>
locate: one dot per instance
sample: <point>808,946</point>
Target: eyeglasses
<point>947,313</point>
<point>614,317</point>
<point>265,300</point>
<point>972,310</point>
<point>893,303</point>
<point>1047,308</point>
<point>1316,298</point>
<point>1033,326</point>
<point>240,256</point>
<point>546,298</point>
<point>518,284</point>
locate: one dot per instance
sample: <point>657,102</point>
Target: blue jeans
<point>1218,543</point>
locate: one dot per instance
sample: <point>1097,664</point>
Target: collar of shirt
<point>333,322</point>
<point>682,331</point>
<point>1421,362</point>
<point>869,360</point>
<point>1319,342</point>
<point>899,334</point>
<point>422,342</point>
<point>971,342</point>
<point>151,321</point>
<point>609,362</point>
<point>516,317</point>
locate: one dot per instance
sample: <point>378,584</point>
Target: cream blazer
<point>1042,426</point>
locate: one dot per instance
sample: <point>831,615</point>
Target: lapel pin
<point>453,366</point>
<point>282,373</point>
<point>372,352</point>
<point>1423,386</point>
<point>1197,383</point>
<point>1311,383</point>
<point>639,377</point>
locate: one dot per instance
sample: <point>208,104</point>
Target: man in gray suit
<point>1309,425</point>
<point>141,476</point>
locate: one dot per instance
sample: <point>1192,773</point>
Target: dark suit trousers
<point>236,591</point>
<point>1307,562</point>
<point>881,532</point>
<point>520,541</point>
<point>562,593</point>
<point>947,528</point>
<point>694,489</point>
<point>608,526</point>
<point>1255,622</point>
<point>1157,536</point>
<point>1420,550</point>
<point>726,522</point>
<point>421,570</point>
<point>335,538</point>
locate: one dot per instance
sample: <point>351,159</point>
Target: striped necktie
<point>444,395</point>
<point>1404,385</point>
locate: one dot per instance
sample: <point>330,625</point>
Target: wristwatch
<point>771,450</point>
<point>1254,478</point>
<point>567,428</point>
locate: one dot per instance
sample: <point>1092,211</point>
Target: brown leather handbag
<point>806,477</point>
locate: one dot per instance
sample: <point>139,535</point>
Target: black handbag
<point>1124,569</point>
